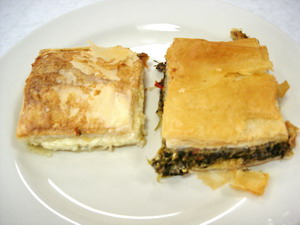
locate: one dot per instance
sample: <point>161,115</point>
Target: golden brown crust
<point>293,132</point>
<point>219,94</point>
<point>144,58</point>
<point>251,181</point>
<point>237,34</point>
<point>283,88</point>
<point>216,57</point>
<point>66,90</point>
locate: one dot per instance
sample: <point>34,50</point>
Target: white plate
<point>120,187</point>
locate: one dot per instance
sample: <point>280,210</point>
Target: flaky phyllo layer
<point>81,98</point>
<point>220,108</point>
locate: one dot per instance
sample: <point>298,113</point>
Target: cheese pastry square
<point>82,98</point>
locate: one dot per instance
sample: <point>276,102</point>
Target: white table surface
<point>20,17</point>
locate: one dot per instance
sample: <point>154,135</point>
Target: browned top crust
<point>218,93</point>
<point>87,90</point>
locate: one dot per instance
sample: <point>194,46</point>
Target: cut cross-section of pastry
<point>220,108</point>
<point>82,98</point>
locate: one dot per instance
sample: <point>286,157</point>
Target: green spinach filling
<point>170,162</point>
